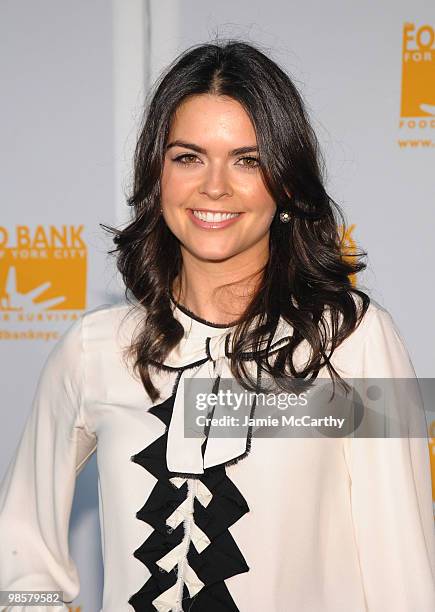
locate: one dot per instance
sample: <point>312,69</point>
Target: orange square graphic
<point>46,270</point>
<point>418,71</point>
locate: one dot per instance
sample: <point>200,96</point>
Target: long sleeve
<point>391,490</point>
<point>37,490</point>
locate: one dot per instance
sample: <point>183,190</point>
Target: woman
<point>234,270</point>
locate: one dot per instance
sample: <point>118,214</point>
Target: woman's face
<point>204,172</point>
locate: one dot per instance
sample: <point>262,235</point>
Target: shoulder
<point>105,314</point>
<point>375,312</point>
<point>373,316</point>
<point>108,323</point>
<point>102,328</point>
<point>377,324</point>
<point>375,348</point>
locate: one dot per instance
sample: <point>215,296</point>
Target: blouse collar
<point>203,339</point>
<point>204,353</point>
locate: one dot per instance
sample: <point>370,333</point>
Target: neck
<point>199,286</point>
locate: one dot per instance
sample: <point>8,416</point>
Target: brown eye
<point>254,162</point>
<point>181,158</point>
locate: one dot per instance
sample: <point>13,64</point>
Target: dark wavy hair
<point>308,270</point>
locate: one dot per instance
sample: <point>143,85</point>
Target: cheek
<point>167,188</point>
<point>174,188</point>
<point>263,203</point>
<point>256,195</point>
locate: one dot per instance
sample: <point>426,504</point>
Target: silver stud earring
<point>284,216</point>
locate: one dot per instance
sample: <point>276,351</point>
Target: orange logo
<point>348,247</point>
<point>42,269</point>
<point>418,71</point>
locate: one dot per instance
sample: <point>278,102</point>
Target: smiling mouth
<point>207,219</point>
<point>213,217</point>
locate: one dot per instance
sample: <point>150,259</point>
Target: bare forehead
<point>211,121</point>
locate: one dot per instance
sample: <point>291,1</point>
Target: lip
<point>212,224</point>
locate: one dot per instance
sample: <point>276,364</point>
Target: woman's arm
<point>37,490</point>
<point>391,490</point>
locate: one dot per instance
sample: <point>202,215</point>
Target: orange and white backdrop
<point>74,76</point>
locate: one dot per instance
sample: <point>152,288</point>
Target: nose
<point>215,182</point>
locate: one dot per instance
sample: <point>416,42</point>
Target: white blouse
<point>326,524</point>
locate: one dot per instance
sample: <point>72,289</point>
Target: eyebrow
<point>198,149</point>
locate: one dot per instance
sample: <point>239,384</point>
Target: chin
<point>213,255</point>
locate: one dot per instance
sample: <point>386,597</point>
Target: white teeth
<point>213,217</point>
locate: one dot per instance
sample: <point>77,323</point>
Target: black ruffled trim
<point>220,560</point>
